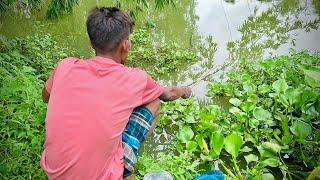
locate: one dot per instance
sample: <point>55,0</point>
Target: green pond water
<point>237,29</point>
<point>234,29</point>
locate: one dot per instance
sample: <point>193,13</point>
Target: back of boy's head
<point>107,27</point>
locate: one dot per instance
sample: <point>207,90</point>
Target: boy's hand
<point>172,93</point>
<point>187,92</point>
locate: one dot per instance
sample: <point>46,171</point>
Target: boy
<point>99,111</point>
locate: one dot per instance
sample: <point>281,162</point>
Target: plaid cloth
<point>134,134</point>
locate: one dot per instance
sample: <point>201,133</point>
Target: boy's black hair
<point>107,27</point>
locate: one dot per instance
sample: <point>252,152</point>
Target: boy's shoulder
<point>136,72</point>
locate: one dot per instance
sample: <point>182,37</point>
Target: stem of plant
<point>237,168</point>
<point>289,173</point>
<point>228,170</point>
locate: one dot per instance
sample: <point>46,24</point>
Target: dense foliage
<point>271,128</point>
<point>25,64</point>
<point>58,8</point>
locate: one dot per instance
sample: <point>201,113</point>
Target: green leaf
<point>210,112</point>
<point>251,158</point>
<point>264,89</point>
<point>275,148</point>
<point>216,142</point>
<point>235,101</point>
<point>246,149</point>
<point>249,87</point>
<point>191,146</point>
<point>272,162</point>
<point>261,114</point>
<point>292,95</point>
<point>247,106</point>
<point>283,100</point>
<point>280,85</point>
<point>311,82</point>
<point>235,110</point>
<point>301,129</point>
<point>233,143</point>
<point>265,153</point>
<point>267,176</point>
<point>313,74</point>
<point>254,123</point>
<point>185,134</point>
<point>202,144</point>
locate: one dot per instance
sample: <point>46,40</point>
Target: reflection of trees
<point>316,4</point>
<point>259,33</point>
<point>181,30</point>
<point>269,30</point>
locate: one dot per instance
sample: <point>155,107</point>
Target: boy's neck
<point>114,57</point>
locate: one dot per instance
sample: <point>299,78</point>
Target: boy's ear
<point>126,45</point>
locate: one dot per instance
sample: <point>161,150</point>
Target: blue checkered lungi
<point>134,134</point>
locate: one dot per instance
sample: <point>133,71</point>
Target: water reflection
<point>218,31</point>
<point>253,30</point>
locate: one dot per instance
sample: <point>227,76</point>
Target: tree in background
<point>58,8</point>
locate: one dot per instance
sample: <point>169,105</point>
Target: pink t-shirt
<point>89,107</point>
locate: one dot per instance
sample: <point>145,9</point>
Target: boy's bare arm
<point>171,93</point>
<point>45,95</point>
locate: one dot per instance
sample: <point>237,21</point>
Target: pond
<point>235,29</point>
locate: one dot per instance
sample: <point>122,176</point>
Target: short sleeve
<point>49,82</point>
<point>152,91</point>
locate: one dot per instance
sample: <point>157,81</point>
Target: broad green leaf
<point>311,82</point>
<point>254,123</point>
<point>216,142</point>
<point>283,100</point>
<point>275,148</point>
<point>286,139</point>
<point>249,87</point>
<point>190,119</point>
<point>247,106</point>
<point>253,98</point>
<point>264,89</point>
<point>246,149</point>
<point>251,158</point>
<point>267,176</point>
<point>191,146</point>
<point>233,143</point>
<point>265,153</point>
<point>272,162</point>
<point>292,95</point>
<point>313,74</point>
<point>261,114</point>
<point>310,110</point>
<point>280,85</point>
<point>235,101</point>
<point>185,134</point>
<point>235,110</point>
<point>301,129</point>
